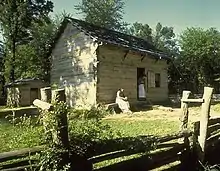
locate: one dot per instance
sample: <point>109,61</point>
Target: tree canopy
<point>141,30</point>
<point>105,13</point>
<point>200,56</point>
<point>16,21</point>
<point>29,33</point>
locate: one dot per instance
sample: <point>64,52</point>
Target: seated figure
<point>122,101</point>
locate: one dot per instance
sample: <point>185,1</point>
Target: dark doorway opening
<point>34,94</point>
<point>141,87</point>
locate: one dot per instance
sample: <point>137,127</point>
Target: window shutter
<point>151,79</point>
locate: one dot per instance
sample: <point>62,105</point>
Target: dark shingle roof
<point>117,38</point>
<point>21,81</point>
<point>111,37</point>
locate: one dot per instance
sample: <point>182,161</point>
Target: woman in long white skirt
<point>141,88</point>
<point>122,101</point>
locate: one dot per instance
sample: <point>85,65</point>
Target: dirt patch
<point>155,114</point>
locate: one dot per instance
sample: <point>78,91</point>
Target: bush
<point>95,112</point>
<point>85,134</point>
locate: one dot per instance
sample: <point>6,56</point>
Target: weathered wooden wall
<point>23,92</point>
<point>73,67</point>
<point>115,71</point>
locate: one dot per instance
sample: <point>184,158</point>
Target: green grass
<point>216,107</point>
<point>145,127</point>
<point>17,137</point>
<point>14,137</point>
<point>132,128</point>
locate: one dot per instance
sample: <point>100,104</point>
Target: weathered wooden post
<point>62,135</point>
<point>184,111</point>
<point>46,94</point>
<point>62,132</point>
<point>205,114</point>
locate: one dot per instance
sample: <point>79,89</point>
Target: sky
<point>179,14</point>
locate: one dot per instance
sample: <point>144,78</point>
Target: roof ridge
<point>112,37</point>
<point>131,36</point>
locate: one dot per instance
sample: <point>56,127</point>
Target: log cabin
<point>92,63</point>
<point>23,92</point>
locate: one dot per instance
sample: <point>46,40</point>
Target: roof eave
<point>155,55</point>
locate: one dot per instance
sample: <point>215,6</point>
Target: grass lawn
<point>17,137</point>
<point>152,122</point>
<point>157,127</point>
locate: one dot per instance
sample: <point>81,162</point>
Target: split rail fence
<point>182,151</point>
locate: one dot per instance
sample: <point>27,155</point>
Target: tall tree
<point>164,39</point>
<point>141,30</point>
<point>32,58</point>
<point>1,67</point>
<point>1,53</point>
<point>105,13</point>
<point>15,19</point>
<point>201,56</point>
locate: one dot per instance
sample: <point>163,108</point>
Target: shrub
<point>95,112</point>
<point>85,134</point>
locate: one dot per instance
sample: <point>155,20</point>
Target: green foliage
<point>85,134</point>
<point>51,158</point>
<point>87,129</point>
<point>164,39</point>
<point>199,60</point>
<point>16,21</point>
<point>106,13</point>
<point>1,54</point>
<point>20,132</point>
<point>50,122</point>
<point>95,112</point>
<point>32,59</point>
<point>1,67</point>
<point>23,121</point>
<point>141,30</point>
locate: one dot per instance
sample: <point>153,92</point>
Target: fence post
<point>184,111</point>
<point>62,136</point>
<point>62,132</point>
<point>46,94</point>
<point>205,114</point>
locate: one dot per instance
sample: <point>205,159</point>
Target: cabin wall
<point>73,67</point>
<point>118,70</point>
<point>25,93</point>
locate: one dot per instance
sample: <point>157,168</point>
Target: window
<point>157,80</point>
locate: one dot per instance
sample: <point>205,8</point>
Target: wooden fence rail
<point>19,159</point>
<point>170,149</point>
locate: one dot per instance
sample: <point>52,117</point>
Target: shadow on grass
<point>122,149</point>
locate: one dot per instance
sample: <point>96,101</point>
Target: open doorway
<point>33,94</point>
<point>141,87</point>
